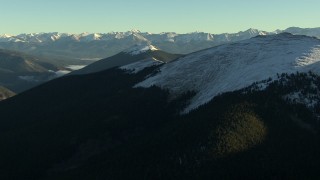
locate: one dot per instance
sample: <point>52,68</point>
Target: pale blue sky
<point>215,16</point>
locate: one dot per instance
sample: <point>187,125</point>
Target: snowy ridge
<point>140,65</point>
<point>234,66</point>
<point>134,34</point>
<point>138,49</point>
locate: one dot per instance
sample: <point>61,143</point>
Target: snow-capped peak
<point>5,36</point>
<point>89,37</point>
<point>135,31</point>
<point>139,49</point>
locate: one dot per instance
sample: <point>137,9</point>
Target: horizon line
<point>137,30</point>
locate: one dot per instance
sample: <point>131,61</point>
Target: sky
<point>182,16</point>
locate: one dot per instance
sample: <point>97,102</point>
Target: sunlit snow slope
<point>234,66</point>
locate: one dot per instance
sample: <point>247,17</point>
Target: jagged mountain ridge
<point>133,34</point>
<point>151,37</point>
<point>93,46</point>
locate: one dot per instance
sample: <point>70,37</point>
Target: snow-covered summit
<point>234,66</point>
<point>135,31</point>
<point>138,49</point>
<point>5,36</point>
<point>90,37</point>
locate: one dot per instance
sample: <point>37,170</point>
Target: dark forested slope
<point>97,126</point>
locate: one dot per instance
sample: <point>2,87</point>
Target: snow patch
<point>309,100</point>
<point>140,65</point>
<point>75,67</point>
<point>61,73</point>
<point>139,49</point>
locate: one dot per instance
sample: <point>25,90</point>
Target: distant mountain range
<point>244,110</point>
<point>97,46</point>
